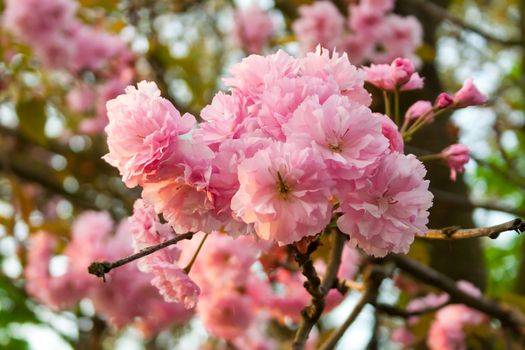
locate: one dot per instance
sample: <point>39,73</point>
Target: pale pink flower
<point>337,67</point>
<point>420,109</point>
<point>469,288</point>
<point>223,119</point>
<point>146,230</point>
<point>253,28</point>
<point>284,191</point>
<point>254,74</point>
<point>429,301</point>
<point>174,284</point>
<point>366,20</point>
<point>415,83</point>
<point>401,71</point>
<point>227,315</point>
<point>350,261</point>
<point>357,46</point>
<point>344,133</point>
<point>142,127</point>
<point>36,20</point>
<point>469,95</point>
<point>456,156</point>
<point>318,24</point>
<point>179,188</point>
<point>390,130</point>
<point>291,297</point>
<point>444,100</point>
<point>400,37</point>
<point>384,212</point>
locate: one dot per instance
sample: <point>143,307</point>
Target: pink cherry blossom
<point>344,133</point>
<point>174,284</point>
<point>142,127</point>
<point>420,109</point>
<point>366,19</point>
<point>444,100</point>
<point>456,156</point>
<point>318,24</point>
<point>337,67</point>
<point>389,77</point>
<point>400,37</point>
<point>383,213</point>
<point>391,132</point>
<point>402,336</point>
<point>253,28</point>
<point>227,315</point>
<point>284,192</point>
<point>379,5</point>
<point>179,188</point>
<point>469,95</point>
<point>81,99</point>
<point>401,71</point>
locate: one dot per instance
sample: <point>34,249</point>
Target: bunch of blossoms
<point>447,330</point>
<point>61,41</point>
<point>94,237</point>
<point>371,33</point>
<point>239,282</point>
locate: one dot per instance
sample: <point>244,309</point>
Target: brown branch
<point>455,232</point>
<point>509,318</point>
<point>442,14</point>
<point>397,312</point>
<point>100,269</point>
<point>373,281</point>
<point>318,289</point>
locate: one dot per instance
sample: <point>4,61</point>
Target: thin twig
<point>397,312</point>
<point>456,232</point>
<point>373,281</point>
<point>510,318</point>
<point>441,13</point>
<point>317,288</point>
<point>100,269</point>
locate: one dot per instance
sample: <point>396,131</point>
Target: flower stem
<point>187,269</point>
<point>387,103</point>
<point>397,118</point>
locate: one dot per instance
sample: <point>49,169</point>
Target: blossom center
<point>283,188</point>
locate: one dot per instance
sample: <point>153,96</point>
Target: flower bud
<point>469,95</point>
<point>444,100</point>
<point>401,70</point>
<point>420,109</point>
<point>456,156</point>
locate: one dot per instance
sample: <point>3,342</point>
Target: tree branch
<point>317,288</point>
<point>373,281</point>
<point>456,232</point>
<point>100,269</point>
<point>508,317</point>
<point>442,14</point>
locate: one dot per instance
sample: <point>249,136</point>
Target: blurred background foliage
<point>50,172</point>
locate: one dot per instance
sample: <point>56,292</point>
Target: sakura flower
<point>379,5</point>
<point>383,213</point>
<point>366,19</point>
<point>142,127</point>
<point>179,188</point>
<point>253,28</point>
<point>146,230</point>
<point>284,192</point>
<point>469,95</point>
<point>400,37</point>
<point>345,134</point>
<point>402,336</point>
<point>81,98</point>
<point>174,284</point>
<point>226,315</point>
<point>456,156</point>
<point>391,132</point>
<point>337,66</point>
<point>318,24</point>
<point>420,109</point>
<point>444,100</point>
<point>390,77</point>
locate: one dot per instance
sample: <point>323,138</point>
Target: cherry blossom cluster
<point>291,148</point>
<point>241,284</point>
<point>61,41</point>
<point>95,237</point>
<point>370,33</point>
<point>447,330</point>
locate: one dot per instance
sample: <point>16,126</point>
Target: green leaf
<point>32,116</point>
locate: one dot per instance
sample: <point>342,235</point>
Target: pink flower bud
<point>415,83</point>
<point>444,100</point>
<point>456,156</point>
<point>401,70</point>
<point>469,95</point>
<point>420,109</point>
